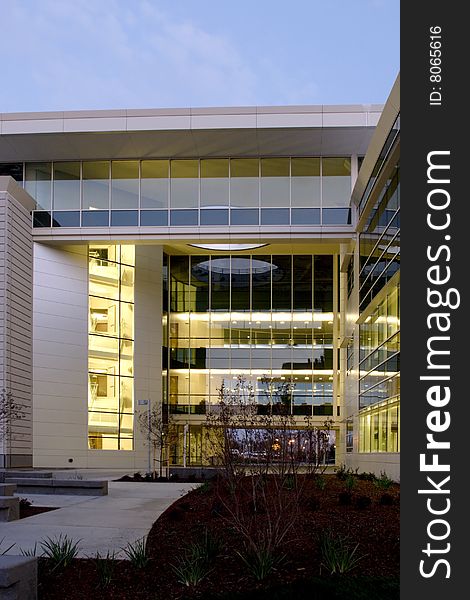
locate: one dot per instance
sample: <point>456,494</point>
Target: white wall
<point>60,356</point>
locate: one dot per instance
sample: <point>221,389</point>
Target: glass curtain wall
<point>379,372</point>
<point>267,318</point>
<point>190,192</point>
<point>111,347</point>
<point>379,366</point>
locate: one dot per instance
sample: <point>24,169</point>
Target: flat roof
<point>333,130</point>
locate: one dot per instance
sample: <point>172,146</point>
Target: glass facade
<point>269,318</point>
<point>111,347</point>
<point>379,376</point>
<point>188,192</point>
<point>266,318</point>
<point>379,244</point>
<point>379,298</point>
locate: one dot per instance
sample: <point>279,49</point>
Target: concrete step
<point>41,485</point>
<point>7,489</point>
<point>34,474</point>
<point>9,508</point>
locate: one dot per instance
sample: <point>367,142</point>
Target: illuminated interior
<point>268,318</point>
<point>111,347</point>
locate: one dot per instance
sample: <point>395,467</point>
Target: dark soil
<point>373,524</point>
<point>30,511</point>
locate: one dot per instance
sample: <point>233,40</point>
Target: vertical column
<point>148,339</point>
<point>16,297</point>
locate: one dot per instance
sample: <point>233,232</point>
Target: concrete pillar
<point>16,300</point>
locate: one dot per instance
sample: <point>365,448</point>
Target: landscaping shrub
<point>363,502</point>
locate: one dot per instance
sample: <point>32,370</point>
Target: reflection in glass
<point>214,182</point>
<point>124,218</point>
<point>183,217</point>
<point>95,218</point>
<point>336,182</point>
<point>38,183</point>
<point>95,184</point>
<point>336,216</point>
<point>184,183</point>
<point>124,184</point>
<point>41,218</point>
<point>274,216</point>
<point>66,218</point>
<point>154,185</point>
<point>66,185</point>
<point>305,216</point>
<point>153,218</point>
<point>214,217</point>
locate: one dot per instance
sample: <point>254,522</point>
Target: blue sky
<point>93,54</point>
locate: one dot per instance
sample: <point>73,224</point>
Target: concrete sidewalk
<point>101,523</point>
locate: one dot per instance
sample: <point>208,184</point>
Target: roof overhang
<point>214,132</point>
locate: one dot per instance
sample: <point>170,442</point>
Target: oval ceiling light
<point>226,247</point>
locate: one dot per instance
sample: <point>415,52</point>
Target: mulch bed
<point>373,524</point>
<point>30,511</point>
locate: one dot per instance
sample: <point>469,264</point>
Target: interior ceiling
<point>302,247</point>
<point>305,141</point>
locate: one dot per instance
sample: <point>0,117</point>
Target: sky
<point>104,54</point>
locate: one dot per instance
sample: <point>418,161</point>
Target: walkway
<point>102,523</point>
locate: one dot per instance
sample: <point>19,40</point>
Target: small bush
<point>205,488</point>
<point>312,504</point>
<point>343,472</point>
<point>350,483</point>
<point>105,567</point>
<point>195,563</point>
<point>217,509</point>
<point>176,514</point>
<point>386,500</point>
<point>190,571</point>
<point>207,547</point>
<point>60,551</point>
<point>363,502</point>
<point>137,553</point>
<point>289,483</point>
<point>338,555</point>
<point>367,476</point>
<point>383,482</point>
<point>260,563</point>
<point>345,498</point>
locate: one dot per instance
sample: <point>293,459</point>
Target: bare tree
<point>159,433</point>
<point>11,411</point>
<point>266,460</point>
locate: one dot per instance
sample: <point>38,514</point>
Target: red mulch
<point>375,527</point>
<point>30,511</point>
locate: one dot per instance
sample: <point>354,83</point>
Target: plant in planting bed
<point>60,550</point>
<point>265,464</point>
<point>137,553</point>
<point>105,568</point>
<point>338,555</point>
<point>383,482</point>
<point>195,563</point>
<point>260,563</point>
